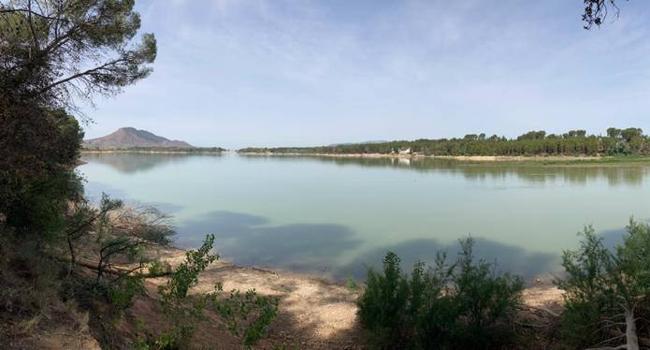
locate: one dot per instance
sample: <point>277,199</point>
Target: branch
<point>31,25</point>
<point>26,11</point>
<point>115,270</point>
<point>620,347</point>
<point>543,309</point>
<point>78,75</point>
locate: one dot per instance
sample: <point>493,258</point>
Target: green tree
<point>614,133</point>
<point>53,53</point>
<point>55,50</point>
<point>630,134</point>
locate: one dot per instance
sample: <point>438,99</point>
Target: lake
<point>337,216</point>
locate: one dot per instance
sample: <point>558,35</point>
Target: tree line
<point>629,141</point>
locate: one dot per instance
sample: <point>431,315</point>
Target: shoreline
<point>323,312</point>
<point>476,159</point>
<point>519,160</point>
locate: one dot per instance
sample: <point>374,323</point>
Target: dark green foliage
<point>462,305</point>
<point>53,54</point>
<point>607,291</point>
<point>486,300</point>
<point>247,315</point>
<point>37,155</point>
<point>47,55</point>
<point>186,275</point>
<point>384,304</point>
<point>122,291</point>
<point>572,143</point>
<point>181,311</point>
<point>157,268</point>
<point>50,53</point>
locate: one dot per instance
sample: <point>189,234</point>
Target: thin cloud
<point>320,72</point>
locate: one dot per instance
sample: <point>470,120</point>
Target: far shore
<point>483,159</point>
<point>534,159</point>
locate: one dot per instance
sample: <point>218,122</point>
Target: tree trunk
<point>72,257</point>
<point>630,330</point>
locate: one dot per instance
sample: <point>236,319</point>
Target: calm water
<point>337,216</point>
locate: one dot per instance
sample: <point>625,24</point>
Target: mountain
<point>132,138</point>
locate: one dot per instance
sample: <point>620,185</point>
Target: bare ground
<point>315,313</point>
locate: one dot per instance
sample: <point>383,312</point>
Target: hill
<point>133,138</point>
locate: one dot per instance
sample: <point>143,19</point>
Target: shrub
<point>462,305</point>
<point>122,292</point>
<point>607,291</point>
<point>181,311</point>
<point>247,315</point>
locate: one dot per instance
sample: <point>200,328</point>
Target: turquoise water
<point>337,216</point>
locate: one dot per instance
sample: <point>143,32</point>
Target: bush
<point>462,305</point>
<point>122,292</point>
<point>607,292</point>
<point>247,315</point>
<point>184,312</point>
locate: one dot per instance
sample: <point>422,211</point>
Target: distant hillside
<point>133,138</point>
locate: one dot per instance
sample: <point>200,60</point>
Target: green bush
<point>122,292</point>
<point>462,305</point>
<point>247,315</point>
<point>182,311</point>
<point>607,291</point>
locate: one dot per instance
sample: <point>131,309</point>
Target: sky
<point>238,73</point>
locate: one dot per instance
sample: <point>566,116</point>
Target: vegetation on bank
<point>462,304</point>
<point>630,141</point>
<point>60,256</point>
<point>466,304</point>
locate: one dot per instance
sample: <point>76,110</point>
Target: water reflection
<point>629,175</point>
<point>130,163</point>
<point>576,174</point>
<point>507,258</point>
<point>94,191</point>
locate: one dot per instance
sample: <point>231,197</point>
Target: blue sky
<point>238,73</point>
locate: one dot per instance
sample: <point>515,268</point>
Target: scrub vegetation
<point>67,262</point>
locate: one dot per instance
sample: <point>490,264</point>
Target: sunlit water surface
<point>336,217</point>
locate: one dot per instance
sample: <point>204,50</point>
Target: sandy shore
<point>317,313</point>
